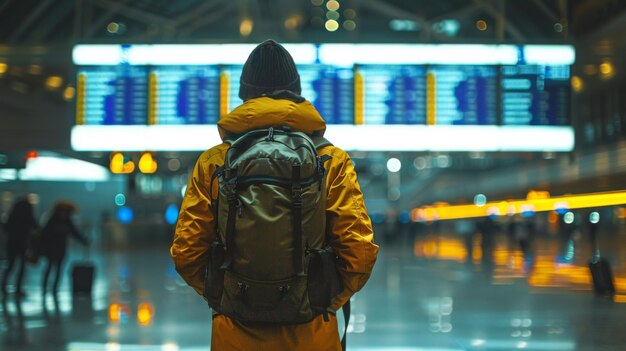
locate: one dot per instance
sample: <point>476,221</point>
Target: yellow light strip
<point>445,212</point>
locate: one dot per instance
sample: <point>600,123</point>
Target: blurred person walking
<point>270,89</point>
<point>19,228</point>
<point>54,240</point>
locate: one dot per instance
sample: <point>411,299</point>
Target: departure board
<point>463,95</point>
<point>330,90</point>
<point>391,94</point>
<point>112,95</point>
<point>535,95</point>
<point>184,95</point>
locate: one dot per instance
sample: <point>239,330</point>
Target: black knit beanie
<point>269,68</point>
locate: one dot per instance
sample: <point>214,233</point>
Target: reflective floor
<point>434,291</point>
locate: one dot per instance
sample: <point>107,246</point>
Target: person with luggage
<point>19,228</point>
<point>54,240</point>
<point>273,231</point>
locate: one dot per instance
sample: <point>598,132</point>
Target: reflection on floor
<point>442,292</point>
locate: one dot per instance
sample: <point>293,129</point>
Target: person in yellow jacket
<point>270,89</point>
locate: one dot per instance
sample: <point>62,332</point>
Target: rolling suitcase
<point>82,278</point>
<point>600,268</point>
<point>602,276</point>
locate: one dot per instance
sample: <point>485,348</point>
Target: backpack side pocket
<point>214,275</point>
<point>324,281</point>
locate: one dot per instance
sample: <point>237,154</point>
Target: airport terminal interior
<point>489,139</point>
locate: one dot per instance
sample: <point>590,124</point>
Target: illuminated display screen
<point>112,95</point>
<point>464,94</point>
<point>372,94</point>
<point>184,95</point>
<point>330,90</point>
<point>393,94</point>
<point>535,95</point>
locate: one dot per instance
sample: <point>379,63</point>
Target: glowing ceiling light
<point>54,82</point>
<point>331,25</point>
<point>113,28</point>
<point>332,5</point>
<point>68,93</point>
<point>577,84</point>
<point>481,25</point>
<point>606,69</point>
<point>245,27</point>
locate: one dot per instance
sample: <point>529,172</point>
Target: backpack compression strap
<point>296,191</point>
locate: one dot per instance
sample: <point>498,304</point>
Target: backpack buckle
<point>296,191</point>
<point>241,289</point>
<point>284,289</point>
<point>270,134</point>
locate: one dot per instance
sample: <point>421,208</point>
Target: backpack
<point>271,262</point>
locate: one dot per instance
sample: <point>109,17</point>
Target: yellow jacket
<point>347,218</point>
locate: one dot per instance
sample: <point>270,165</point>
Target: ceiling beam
<point>45,27</point>
<point>196,12</point>
<point>30,19</point>
<point>208,19</point>
<point>392,11</point>
<point>459,13</point>
<point>5,4</point>
<point>135,13</point>
<point>547,11</point>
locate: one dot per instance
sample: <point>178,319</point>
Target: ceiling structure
<point>66,22</point>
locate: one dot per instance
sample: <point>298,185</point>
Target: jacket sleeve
<point>349,226</point>
<point>194,229</point>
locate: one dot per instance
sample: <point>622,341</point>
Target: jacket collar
<point>265,112</point>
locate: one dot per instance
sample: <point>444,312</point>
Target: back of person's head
<point>62,210</point>
<point>269,68</point>
<point>21,212</point>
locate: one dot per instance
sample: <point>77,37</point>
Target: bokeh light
<point>481,25</point>
<point>394,165</point>
<point>349,25</point>
<point>332,5</point>
<point>332,25</point>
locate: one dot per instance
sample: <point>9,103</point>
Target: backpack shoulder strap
<point>320,142</point>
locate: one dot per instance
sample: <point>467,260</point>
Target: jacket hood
<point>265,112</point>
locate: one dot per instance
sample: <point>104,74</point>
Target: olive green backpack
<point>271,262</point>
